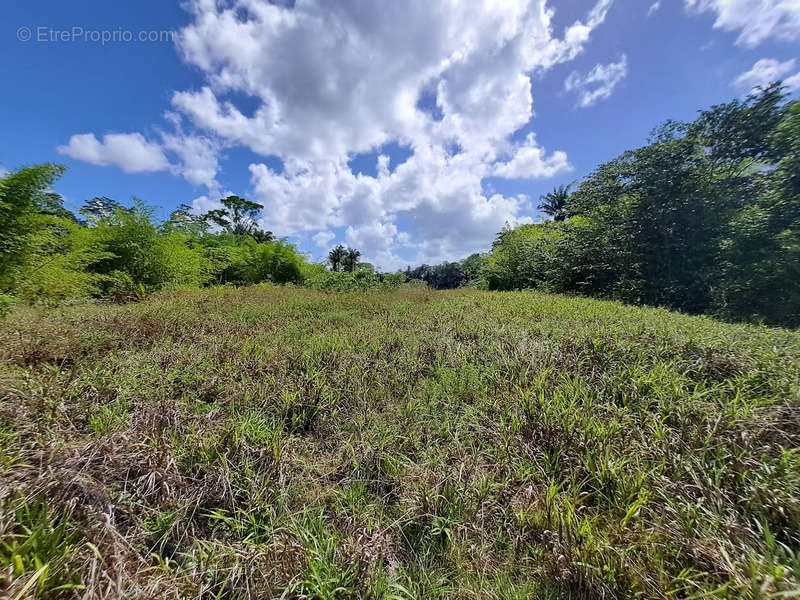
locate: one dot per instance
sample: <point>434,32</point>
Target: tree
<point>350,260</point>
<point>52,204</point>
<point>238,217</point>
<point>446,276</point>
<point>472,265</point>
<point>22,193</point>
<point>99,208</point>
<point>521,257</point>
<point>554,203</point>
<point>336,257</point>
<point>705,218</point>
<point>183,220</point>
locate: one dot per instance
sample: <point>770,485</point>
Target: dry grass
<point>277,442</point>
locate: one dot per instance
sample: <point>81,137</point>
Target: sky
<point>411,130</point>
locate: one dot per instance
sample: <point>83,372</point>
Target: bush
<point>241,260</point>
<point>21,193</point>
<point>6,304</point>
<point>183,265</point>
<point>56,267</point>
<point>420,284</point>
<point>278,262</point>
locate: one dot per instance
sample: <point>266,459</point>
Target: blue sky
<point>413,131</point>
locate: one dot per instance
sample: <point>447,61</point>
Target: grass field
<point>269,442</point>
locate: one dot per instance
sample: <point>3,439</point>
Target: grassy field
<point>279,442</point>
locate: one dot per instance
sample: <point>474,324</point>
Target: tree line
<point>48,254</point>
<point>705,218</point>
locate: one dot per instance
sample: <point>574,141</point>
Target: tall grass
<point>275,442</point>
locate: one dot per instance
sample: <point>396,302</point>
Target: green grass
<point>280,442</point>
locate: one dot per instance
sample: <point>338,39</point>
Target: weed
<point>397,444</point>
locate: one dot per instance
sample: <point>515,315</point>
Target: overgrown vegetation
<point>274,441</point>
<point>337,433</point>
<point>705,219</point>
<point>49,255</point>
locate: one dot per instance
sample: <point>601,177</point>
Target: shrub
<point>21,193</point>
<point>56,268</point>
<point>6,304</point>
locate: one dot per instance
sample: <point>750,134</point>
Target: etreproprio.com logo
<point>43,34</point>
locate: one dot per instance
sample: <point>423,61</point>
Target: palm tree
<point>336,257</point>
<point>350,261</point>
<point>554,203</point>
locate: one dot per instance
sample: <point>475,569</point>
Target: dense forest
<point>704,219</point>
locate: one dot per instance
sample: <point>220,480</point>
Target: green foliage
<point>336,257</point>
<point>57,266</point>
<point>341,258</point>
<point>138,259</point>
<point>554,203</point>
<point>704,219</point>
<point>36,552</point>
<point>241,260</point>
<point>22,193</point>
<point>6,303</point>
<point>122,254</point>
<point>238,217</point>
<point>350,260</point>
<point>183,220</point>
<point>521,258</point>
<point>448,275</point>
<point>472,265</point>
<point>325,577</point>
<point>100,208</point>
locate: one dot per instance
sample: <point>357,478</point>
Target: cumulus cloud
<point>198,161</point>
<point>756,20</point>
<point>131,152</point>
<point>767,70</point>
<point>598,84</point>
<point>332,79</point>
<point>323,238</point>
<point>654,7</point>
<point>317,82</point>
<point>196,155</point>
<point>530,162</point>
<point>378,237</point>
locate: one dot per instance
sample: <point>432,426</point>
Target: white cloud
<point>756,20</point>
<point>321,81</point>
<point>599,83</point>
<point>131,152</point>
<point>198,162</point>
<point>767,70</point>
<point>654,7</point>
<point>323,238</point>
<point>203,204</point>
<point>378,237</point>
<point>529,162</point>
